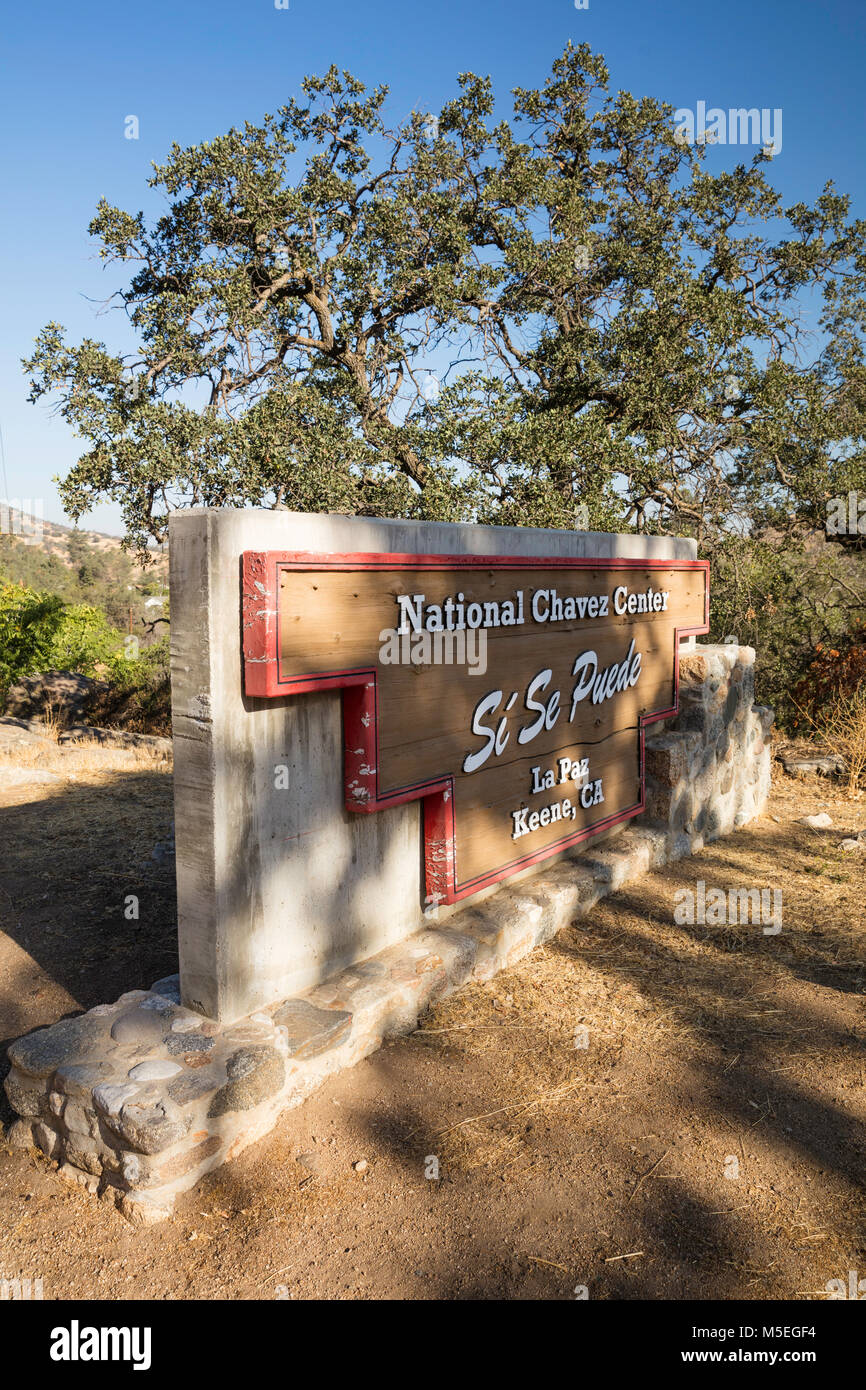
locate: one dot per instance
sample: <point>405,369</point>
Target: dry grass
<point>844,729</point>
<point>55,719</point>
<point>718,1001</point>
<point>83,759</point>
<point>79,825</point>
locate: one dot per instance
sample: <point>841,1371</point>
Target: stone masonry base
<point>137,1100</point>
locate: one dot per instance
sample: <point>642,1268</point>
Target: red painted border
<point>263,679</point>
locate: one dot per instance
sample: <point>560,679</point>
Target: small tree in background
<point>39,632</point>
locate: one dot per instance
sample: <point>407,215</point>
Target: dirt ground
<point>641,1109</point>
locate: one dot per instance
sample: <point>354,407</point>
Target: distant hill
<point>85,567</point>
<point>53,540</point>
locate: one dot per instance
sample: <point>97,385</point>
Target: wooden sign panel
<point>510,695</point>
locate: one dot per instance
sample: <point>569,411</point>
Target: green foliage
<point>834,674</point>
<point>791,600</point>
<point>104,579</point>
<point>83,640</point>
<point>584,289</point>
<point>136,693</point>
<point>148,667</point>
<point>611,327</point>
<point>39,632</point>
<point>28,624</point>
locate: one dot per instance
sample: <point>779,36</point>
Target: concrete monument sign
<point>533,741</point>
<point>279,885</point>
<point>321,736</point>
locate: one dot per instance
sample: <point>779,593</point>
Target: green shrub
<point>148,667</point>
<point>791,602</point>
<point>39,632</point>
<point>136,693</point>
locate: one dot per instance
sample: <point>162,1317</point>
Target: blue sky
<point>70,74</point>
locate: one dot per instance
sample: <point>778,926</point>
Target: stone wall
<point>708,770</point>
<point>137,1100</point>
